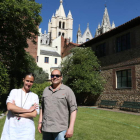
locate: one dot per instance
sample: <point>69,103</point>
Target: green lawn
<point>92,124</point>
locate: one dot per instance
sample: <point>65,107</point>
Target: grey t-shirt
<point>57,107</point>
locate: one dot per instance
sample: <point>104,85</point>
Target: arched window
<point>87,39</point>
<point>63,34</point>
<point>59,24</point>
<point>41,41</point>
<point>59,33</point>
<point>63,25</point>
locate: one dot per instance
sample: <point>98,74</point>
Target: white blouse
<point>24,128</point>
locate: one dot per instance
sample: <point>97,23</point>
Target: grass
<point>92,124</point>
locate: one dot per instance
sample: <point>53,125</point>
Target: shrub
<point>39,88</point>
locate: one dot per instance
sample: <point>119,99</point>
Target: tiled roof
<point>50,53</point>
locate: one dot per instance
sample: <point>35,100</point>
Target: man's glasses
<point>57,76</point>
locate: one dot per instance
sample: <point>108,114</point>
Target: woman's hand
<point>13,102</point>
<point>33,107</point>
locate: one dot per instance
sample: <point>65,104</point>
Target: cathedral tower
<point>105,26</point>
<point>60,24</point>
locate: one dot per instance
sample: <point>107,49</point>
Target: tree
<point>40,76</point>
<point>82,72</point>
<point>4,84</point>
<point>19,21</point>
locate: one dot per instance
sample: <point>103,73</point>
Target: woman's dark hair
<point>31,74</point>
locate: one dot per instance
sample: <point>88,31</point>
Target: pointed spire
<point>52,15</point>
<point>79,30</point>
<point>61,11</point>
<point>99,26</point>
<point>113,25</point>
<point>69,15</point>
<point>87,25</point>
<point>61,1</point>
<point>56,14</point>
<point>106,20</point>
<point>45,32</point>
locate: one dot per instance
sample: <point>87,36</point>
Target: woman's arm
<point>12,107</point>
<point>27,115</point>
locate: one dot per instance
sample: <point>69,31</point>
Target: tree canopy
<point>81,71</point>
<point>19,21</point>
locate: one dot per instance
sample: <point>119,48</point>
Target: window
<point>63,25</point>
<point>123,42</point>
<point>100,50</point>
<point>59,24</point>
<point>63,34</point>
<point>55,60</point>
<point>59,33</point>
<point>46,59</point>
<point>87,39</point>
<point>37,59</point>
<point>124,78</point>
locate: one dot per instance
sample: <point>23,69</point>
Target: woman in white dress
<point>22,106</point>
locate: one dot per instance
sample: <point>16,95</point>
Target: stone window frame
<point>132,68</point>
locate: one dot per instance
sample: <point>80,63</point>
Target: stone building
<point>119,53</point>
<point>51,45</point>
<point>104,27</point>
<point>59,25</point>
<point>85,37</point>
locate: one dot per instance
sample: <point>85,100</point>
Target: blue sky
<point>90,11</point>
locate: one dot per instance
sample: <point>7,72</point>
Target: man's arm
<point>70,130</point>
<point>40,122</point>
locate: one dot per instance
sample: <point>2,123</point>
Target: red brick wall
<point>32,49</point>
<point>66,47</point>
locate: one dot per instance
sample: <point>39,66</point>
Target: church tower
<point>60,24</point>
<point>85,37</point>
<point>79,36</point>
<point>105,26</point>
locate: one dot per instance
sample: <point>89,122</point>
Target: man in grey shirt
<point>58,103</point>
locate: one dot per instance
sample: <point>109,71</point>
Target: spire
<point>56,14</point>
<point>61,11</point>
<point>79,30</point>
<point>99,26</point>
<point>69,15</point>
<point>113,25</point>
<point>106,20</point>
<point>87,25</point>
<point>61,1</point>
<point>52,15</point>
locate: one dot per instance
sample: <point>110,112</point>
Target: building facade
<point>51,44</point>
<point>118,51</point>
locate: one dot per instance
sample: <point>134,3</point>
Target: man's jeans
<point>54,136</point>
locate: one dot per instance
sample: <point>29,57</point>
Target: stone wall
<point>115,61</point>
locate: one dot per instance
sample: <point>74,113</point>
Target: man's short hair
<point>58,70</point>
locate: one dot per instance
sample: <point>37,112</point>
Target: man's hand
<point>69,133</point>
<point>39,128</point>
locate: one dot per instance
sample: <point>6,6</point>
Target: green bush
<point>82,72</point>
<point>40,76</point>
<point>4,85</point>
<point>39,88</point>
